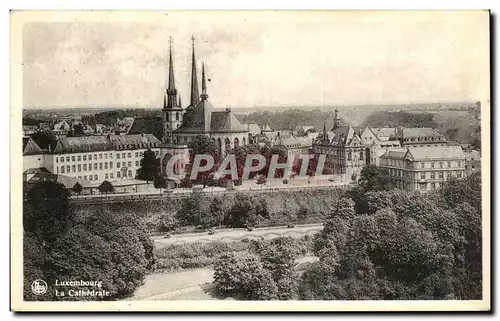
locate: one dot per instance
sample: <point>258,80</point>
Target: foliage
<point>193,210</point>
<point>93,245</point>
<point>150,166</point>
<point>400,118</point>
<point>159,181</point>
<point>407,246</point>
<point>77,188</point>
<point>106,187</point>
<point>261,180</point>
<point>46,211</point>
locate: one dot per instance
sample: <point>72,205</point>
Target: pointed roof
<point>194,81</point>
<point>30,147</point>
<point>204,94</point>
<point>171,79</point>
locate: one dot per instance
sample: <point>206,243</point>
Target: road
<point>232,235</point>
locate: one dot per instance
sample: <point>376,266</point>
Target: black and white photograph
<point>250,160</point>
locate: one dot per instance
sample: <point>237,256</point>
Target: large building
<point>199,117</point>
<point>424,168</point>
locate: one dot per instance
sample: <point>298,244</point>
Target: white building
<point>424,168</point>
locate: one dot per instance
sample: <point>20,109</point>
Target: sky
<point>256,58</point>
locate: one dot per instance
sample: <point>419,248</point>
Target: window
<point>96,177</point>
<point>100,156</point>
<point>79,167</point>
<point>57,159</point>
<point>168,117</point>
<point>79,158</point>
<point>57,169</point>
<point>100,165</point>
<point>448,175</point>
<point>110,156</point>
<point>68,169</point>
<point>72,158</point>
<point>432,165</point>
<point>423,186</point>
<point>117,174</point>
<point>67,159</point>
<point>123,155</point>
<point>440,164</point>
<point>349,155</point>
<point>105,156</point>
<point>106,165</point>
<point>62,169</point>
<point>117,164</point>
<point>111,175</point>
<point>106,176</point>
<point>449,164</point>
<point>85,177</point>
<point>136,163</point>
<point>177,116</point>
<point>90,177</point>
<point>459,164</point>
<point>129,155</point>
<point>441,175</point>
<point>110,165</point>
<point>136,154</point>
<point>422,165</point>
<point>129,173</point>
<point>361,155</point>
<point>422,175</point>
<point>73,168</point>
<point>84,157</point>
<point>433,185</point>
<point>62,159</point>
<point>95,156</point>
<point>129,164</point>
<point>433,175</point>
<point>117,156</point>
<point>95,166</point>
<point>84,167</point>
<point>459,174</point>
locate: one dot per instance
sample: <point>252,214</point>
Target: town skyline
<point>276,60</point>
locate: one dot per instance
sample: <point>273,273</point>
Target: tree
<point>374,178</point>
<point>159,182</point>
<point>150,166</point>
<point>244,277</point>
<point>77,188</point>
<point>193,209</point>
<point>261,180</point>
<point>217,210</point>
<point>106,187</point>
<point>243,212</point>
<point>46,211</point>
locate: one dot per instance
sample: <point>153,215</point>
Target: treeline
<point>402,246</point>
<point>90,245</point>
<point>290,118</point>
<point>109,117</point>
<point>400,118</point>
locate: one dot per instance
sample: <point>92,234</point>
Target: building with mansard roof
<point>200,117</point>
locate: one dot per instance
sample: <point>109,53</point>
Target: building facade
<point>424,168</point>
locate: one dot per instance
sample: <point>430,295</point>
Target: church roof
<point>147,125</point>
<point>103,143</point>
<point>30,147</point>
<point>225,121</point>
<point>420,132</point>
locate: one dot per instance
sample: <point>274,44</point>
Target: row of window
<point>79,168</point>
<point>423,175</point>
<point>79,158</point>
<point>400,163</point>
<point>433,164</point>
<point>95,177</point>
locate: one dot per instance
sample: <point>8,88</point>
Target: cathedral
<point>181,125</point>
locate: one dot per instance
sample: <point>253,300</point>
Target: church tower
<point>172,111</point>
<point>336,119</point>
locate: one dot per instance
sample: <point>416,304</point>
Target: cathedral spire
<point>194,79</point>
<point>171,90</point>
<point>204,95</point>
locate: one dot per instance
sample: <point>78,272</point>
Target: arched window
<point>177,116</point>
<point>361,155</point>
<point>168,117</point>
<point>349,155</point>
<point>236,142</point>
<point>244,141</point>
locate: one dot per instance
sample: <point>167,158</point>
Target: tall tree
<point>150,166</point>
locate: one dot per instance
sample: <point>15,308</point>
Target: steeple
<point>336,119</point>
<point>194,79</point>
<point>204,95</point>
<point>171,90</point>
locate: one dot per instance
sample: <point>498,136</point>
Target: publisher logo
<point>39,287</point>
